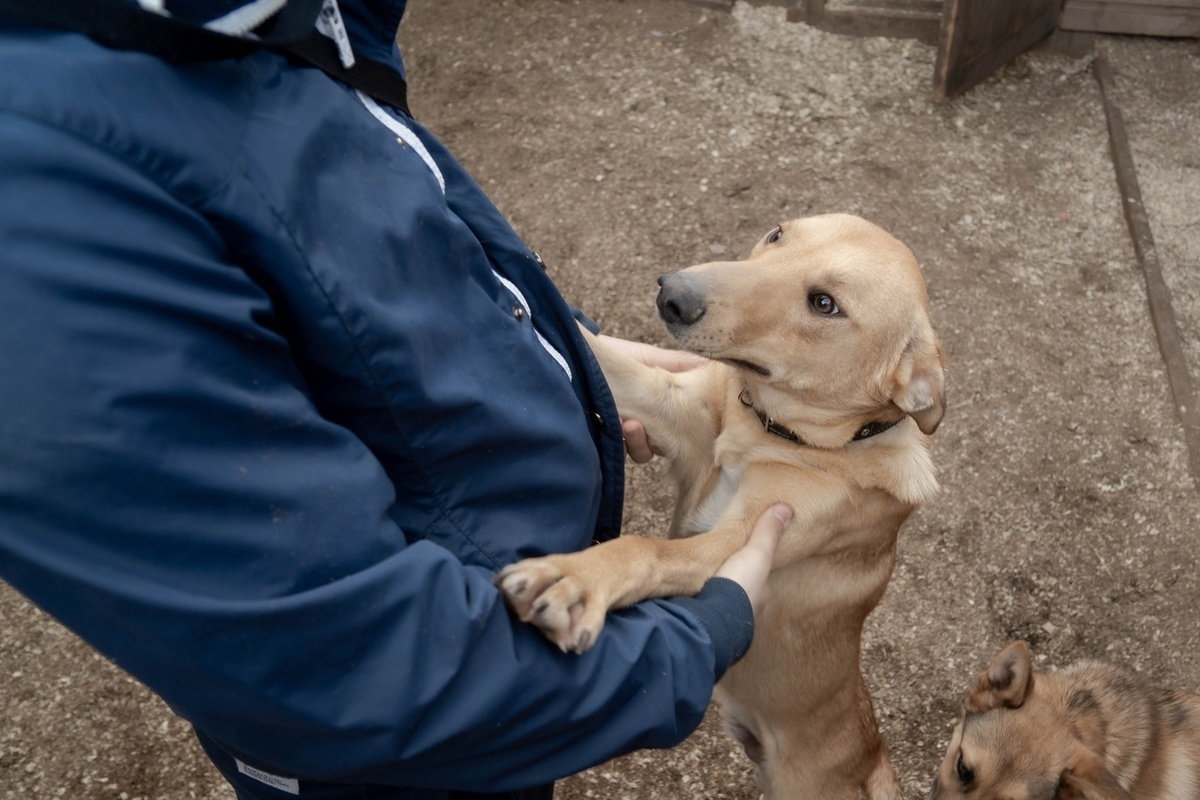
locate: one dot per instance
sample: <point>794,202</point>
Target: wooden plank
<point>1158,295</point>
<point>980,36</point>
<point>924,7</point>
<point>1148,4</point>
<point>1072,44</point>
<point>1157,18</point>
<point>897,19</point>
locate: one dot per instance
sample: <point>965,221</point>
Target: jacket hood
<point>371,24</point>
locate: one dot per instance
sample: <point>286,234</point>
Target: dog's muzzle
<point>680,300</point>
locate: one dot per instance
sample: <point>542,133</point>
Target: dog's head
<point>1018,742</point>
<point>827,319</point>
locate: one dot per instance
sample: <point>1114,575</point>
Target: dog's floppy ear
<point>1004,684</point>
<point>1088,778</point>
<point>920,381</point>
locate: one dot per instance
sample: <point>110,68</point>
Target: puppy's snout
<point>680,300</point>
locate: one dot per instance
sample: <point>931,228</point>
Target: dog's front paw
<point>542,591</point>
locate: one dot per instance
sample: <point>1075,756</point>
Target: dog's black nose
<point>680,300</point>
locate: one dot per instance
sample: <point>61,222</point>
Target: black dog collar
<point>771,426</point>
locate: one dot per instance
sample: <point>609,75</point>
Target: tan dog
<point>822,350</point>
<point>1091,732</point>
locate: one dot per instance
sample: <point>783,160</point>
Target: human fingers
<point>637,443</point>
<point>652,356</point>
<point>750,566</point>
<point>675,360</point>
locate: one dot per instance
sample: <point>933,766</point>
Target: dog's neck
<point>771,426</point>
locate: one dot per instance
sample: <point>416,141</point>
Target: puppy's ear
<point>920,381</point>
<point>1087,778</point>
<point>1004,684</point>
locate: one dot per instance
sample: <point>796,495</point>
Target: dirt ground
<point>625,138</point>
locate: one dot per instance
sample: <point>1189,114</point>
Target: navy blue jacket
<point>280,390</point>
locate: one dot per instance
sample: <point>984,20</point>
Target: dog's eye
<point>966,775</point>
<point>823,304</point>
<point>775,235</point>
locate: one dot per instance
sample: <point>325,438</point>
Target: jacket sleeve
<point>168,489</point>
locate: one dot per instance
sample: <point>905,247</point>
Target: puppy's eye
<point>966,775</point>
<point>823,304</point>
<point>775,235</point>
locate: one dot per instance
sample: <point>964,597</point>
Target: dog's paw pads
<point>538,592</point>
<point>521,584</point>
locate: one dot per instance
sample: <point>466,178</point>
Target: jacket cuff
<point>723,610</point>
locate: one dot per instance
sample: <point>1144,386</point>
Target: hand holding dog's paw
<point>541,591</point>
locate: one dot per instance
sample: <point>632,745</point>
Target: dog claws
<point>506,583</point>
<point>537,591</point>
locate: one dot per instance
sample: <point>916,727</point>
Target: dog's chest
<point>713,504</point>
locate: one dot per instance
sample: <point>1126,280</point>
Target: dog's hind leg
<point>798,782</point>
<point>881,783</point>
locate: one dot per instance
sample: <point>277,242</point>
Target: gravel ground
<point>626,138</point>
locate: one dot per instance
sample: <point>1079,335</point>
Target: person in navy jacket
<point>280,391</point>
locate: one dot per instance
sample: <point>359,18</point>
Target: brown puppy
<point>826,379</point>
<point>1091,732</point>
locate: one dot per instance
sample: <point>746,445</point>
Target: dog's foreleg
<point>674,407</point>
<point>567,596</point>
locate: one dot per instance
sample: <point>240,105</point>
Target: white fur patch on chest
<point>710,509</point>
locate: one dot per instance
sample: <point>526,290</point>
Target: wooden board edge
<point>1158,294</point>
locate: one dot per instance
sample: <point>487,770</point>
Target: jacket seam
<point>236,170</point>
<point>129,160</point>
<point>365,363</point>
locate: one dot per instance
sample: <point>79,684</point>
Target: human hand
<point>652,356</point>
<point>750,566</point>
<point>637,442</point>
